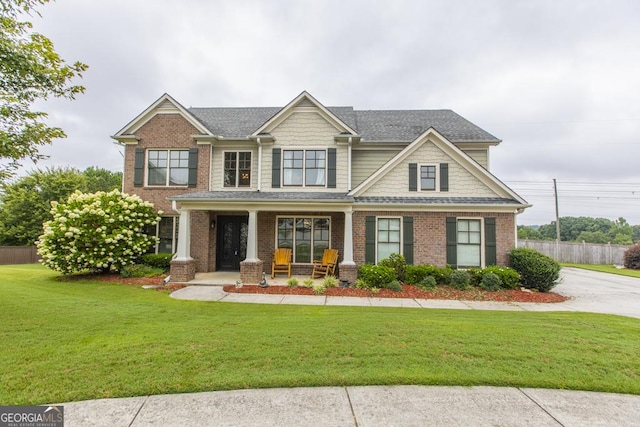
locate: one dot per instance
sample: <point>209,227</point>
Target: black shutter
<point>444,176</point>
<point>275,168</point>
<point>370,240</point>
<point>193,167</point>
<point>407,239</point>
<point>138,168</point>
<point>413,177</point>
<point>490,255</point>
<point>452,242</point>
<point>331,168</point>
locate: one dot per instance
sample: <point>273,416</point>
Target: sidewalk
<point>363,406</point>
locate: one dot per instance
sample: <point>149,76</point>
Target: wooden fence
<point>578,253</point>
<point>18,255</point>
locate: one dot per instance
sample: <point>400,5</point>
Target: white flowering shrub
<point>97,231</point>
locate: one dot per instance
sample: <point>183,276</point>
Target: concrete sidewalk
<point>363,406</point>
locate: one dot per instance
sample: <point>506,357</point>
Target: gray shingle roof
<point>372,125</point>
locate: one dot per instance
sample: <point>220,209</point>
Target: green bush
<point>632,257</point>
<point>394,285</point>
<point>377,276</point>
<point>508,276</point>
<point>416,273</point>
<point>460,279</point>
<point>330,282</point>
<point>157,260</point>
<point>475,276</point>
<point>490,282</point>
<point>398,263</point>
<point>292,282</point>
<point>307,283</point>
<point>427,284</point>
<point>140,270</point>
<point>537,271</point>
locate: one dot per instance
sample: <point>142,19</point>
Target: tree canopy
<point>30,70</point>
<point>587,229</point>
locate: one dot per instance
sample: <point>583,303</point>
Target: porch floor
<point>221,278</point>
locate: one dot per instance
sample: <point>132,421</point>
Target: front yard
<point>76,340</point>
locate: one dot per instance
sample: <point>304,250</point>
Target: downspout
<point>349,164</point>
<point>259,163</point>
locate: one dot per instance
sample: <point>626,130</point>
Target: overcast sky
<point>557,81</point>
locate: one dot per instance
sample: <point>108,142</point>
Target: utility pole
<point>555,194</point>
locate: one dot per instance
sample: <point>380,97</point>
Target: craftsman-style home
<point>234,184</point>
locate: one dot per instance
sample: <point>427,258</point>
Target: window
<point>308,237</point>
<point>167,233</point>
<point>168,167</point>
<point>304,167</point>
<point>388,237</point>
<point>469,242</point>
<point>237,169</point>
<point>428,177</point>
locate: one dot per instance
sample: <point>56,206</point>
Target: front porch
<point>223,278</point>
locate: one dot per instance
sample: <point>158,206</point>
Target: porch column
<point>348,268</point>
<point>251,268</point>
<point>184,236</point>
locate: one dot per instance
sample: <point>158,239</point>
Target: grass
<point>605,269</point>
<point>67,341</point>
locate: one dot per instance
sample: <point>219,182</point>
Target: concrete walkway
<point>363,406</point>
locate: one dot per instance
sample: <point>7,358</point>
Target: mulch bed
<point>129,281</point>
<point>408,291</point>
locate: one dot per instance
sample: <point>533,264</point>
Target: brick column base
<point>183,271</point>
<point>251,272</point>
<point>349,272</point>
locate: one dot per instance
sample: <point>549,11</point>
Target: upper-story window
<point>168,167</point>
<point>428,177</point>
<point>304,167</point>
<point>237,169</point>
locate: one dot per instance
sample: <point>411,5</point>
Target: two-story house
<point>236,183</point>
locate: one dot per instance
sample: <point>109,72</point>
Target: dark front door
<point>232,242</point>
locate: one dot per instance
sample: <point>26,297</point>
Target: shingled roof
<point>372,125</point>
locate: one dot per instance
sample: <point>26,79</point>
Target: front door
<point>232,242</point>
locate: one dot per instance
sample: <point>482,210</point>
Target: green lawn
<point>605,269</point>
<point>66,341</point>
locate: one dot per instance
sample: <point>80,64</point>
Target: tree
<point>525,232</point>
<point>30,70</point>
<point>26,203</point>
<point>96,232</point>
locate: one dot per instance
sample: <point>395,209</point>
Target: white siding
<point>479,156</point>
<point>366,162</point>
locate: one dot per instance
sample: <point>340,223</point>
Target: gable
<point>305,128</point>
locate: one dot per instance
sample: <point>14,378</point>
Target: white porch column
<point>252,237</point>
<point>347,258</point>
<point>184,237</point>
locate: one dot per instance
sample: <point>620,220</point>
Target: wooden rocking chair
<point>281,262</point>
<point>326,266</point>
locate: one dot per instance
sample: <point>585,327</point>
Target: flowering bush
<point>97,232</point>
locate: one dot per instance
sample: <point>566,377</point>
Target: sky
<point>557,81</point>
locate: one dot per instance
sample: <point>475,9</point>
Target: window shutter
<point>452,242</point>
<point>413,177</point>
<point>138,168</point>
<point>193,167</point>
<point>490,255</point>
<point>407,239</point>
<point>370,240</point>
<point>331,171</point>
<point>444,176</point>
<point>275,167</point>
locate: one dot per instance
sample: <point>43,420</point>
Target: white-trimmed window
<point>469,243</point>
<point>428,177</point>
<point>304,168</point>
<point>237,169</point>
<point>167,167</point>
<point>167,232</point>
<point>388,237</point>
<point>308,237</point>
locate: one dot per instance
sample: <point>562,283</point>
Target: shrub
<point>377,276</point>
<point>307,283</point>
<point>428,283</point>
<point>394,286</point>
<point>416,273</point>
<point>330,282</point>
<point>361,284</point>
<point>632,257</point>
<point>96,232</point>
<point>537,271</point>
<point>490,282</point>
<point>475,276</point>
<point>319,288</point>
<point>140,270</point>
<point>508,276</point>
<point>292,282</point>
<point>157,260</point>
<point>398,263</point>
<point>460,279</point>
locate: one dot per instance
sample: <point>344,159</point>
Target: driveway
<point>600,292</point>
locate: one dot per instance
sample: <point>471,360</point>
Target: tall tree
<point>30,70</point>
<point>26,203</point>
